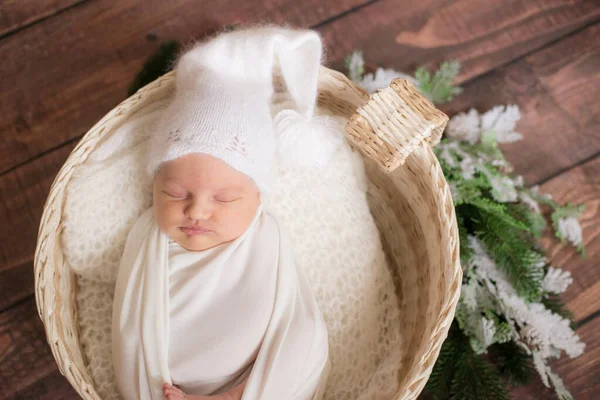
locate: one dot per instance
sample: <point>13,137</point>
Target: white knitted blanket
<point>335,241</point>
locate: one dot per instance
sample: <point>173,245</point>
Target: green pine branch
<point>461,374</point>
<point>471,190</point>
<point>355,72</point>
<point>475,379</point>
<point>440,380</point>
<point>535,222</point>
<point>498,212</point>
<point>507,246</point>
<point>466,252</point>
<point>503,332</point>
<point>439,87</point>
<point>512,362</point>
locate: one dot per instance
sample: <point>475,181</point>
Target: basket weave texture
<point>408,196</point>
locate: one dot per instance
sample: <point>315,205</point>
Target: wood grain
<point>557,90</point>
<point>16,14</point>
<point>534,391</point>
<point>579,185</point>
<point>92,51</point>
<point>16,284</point>
<point>572,81</point>
<point>482,35</point>
<point>63,74</point>
<point>23,192</point>
<point>25,357</point>
<point>52,387</point>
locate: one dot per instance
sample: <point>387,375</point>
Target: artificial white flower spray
<point>510,319</point>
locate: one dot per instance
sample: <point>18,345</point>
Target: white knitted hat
<point>223,97</point>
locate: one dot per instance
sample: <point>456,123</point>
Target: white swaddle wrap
<point>207,320</point>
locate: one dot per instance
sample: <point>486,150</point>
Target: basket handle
<point>394,122</point>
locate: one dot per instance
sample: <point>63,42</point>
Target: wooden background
<point>65,63</point>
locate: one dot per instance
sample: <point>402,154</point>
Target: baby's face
<point>201,201</point>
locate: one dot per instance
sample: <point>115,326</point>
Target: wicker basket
<point>408,197</point>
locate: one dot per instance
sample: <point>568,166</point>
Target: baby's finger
<point>178,391</point>
<point>174,396</point>
<point>170,391</point>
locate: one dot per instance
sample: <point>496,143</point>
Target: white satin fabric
<point>207,320</point>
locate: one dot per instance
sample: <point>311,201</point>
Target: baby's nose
<point>199,209</point>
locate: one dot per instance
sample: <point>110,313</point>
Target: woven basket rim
<point>50,281</point>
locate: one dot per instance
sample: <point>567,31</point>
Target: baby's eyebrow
<point>229,189</point>
<point>173,185</point>
<point>170,181</point>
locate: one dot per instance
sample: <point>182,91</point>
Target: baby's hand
<point>173,393</point>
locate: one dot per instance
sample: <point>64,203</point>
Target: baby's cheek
<point>242,220</point>
<point>227,225</point>
<point>168,216</point>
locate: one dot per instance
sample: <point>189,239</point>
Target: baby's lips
<point>195,230</point>
<point>195,227</point>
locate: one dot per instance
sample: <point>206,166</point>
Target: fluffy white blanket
<point>335,240</point>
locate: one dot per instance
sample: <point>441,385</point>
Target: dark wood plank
<point>534,391</point>
<point>579,185</point>
<point>15,14</point>
<point>587,303</point>
<point>557,91</point>
<point>481,34</point>
<point>25,357</point>
<point>52,387</point>
<point>572,81</point>
<point>16,284</point>
<point>92,51</point>
<point>23,192</point>
<point>63,74</point>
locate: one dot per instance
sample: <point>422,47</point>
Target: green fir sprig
<point>439,87</point>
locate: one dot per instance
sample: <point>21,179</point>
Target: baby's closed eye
<point>227,195</point>
<point>227,198</point>
<point>176,195</point>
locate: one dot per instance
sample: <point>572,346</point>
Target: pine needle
<point>439,88</point>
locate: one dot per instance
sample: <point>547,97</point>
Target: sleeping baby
<point>208,302</point>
